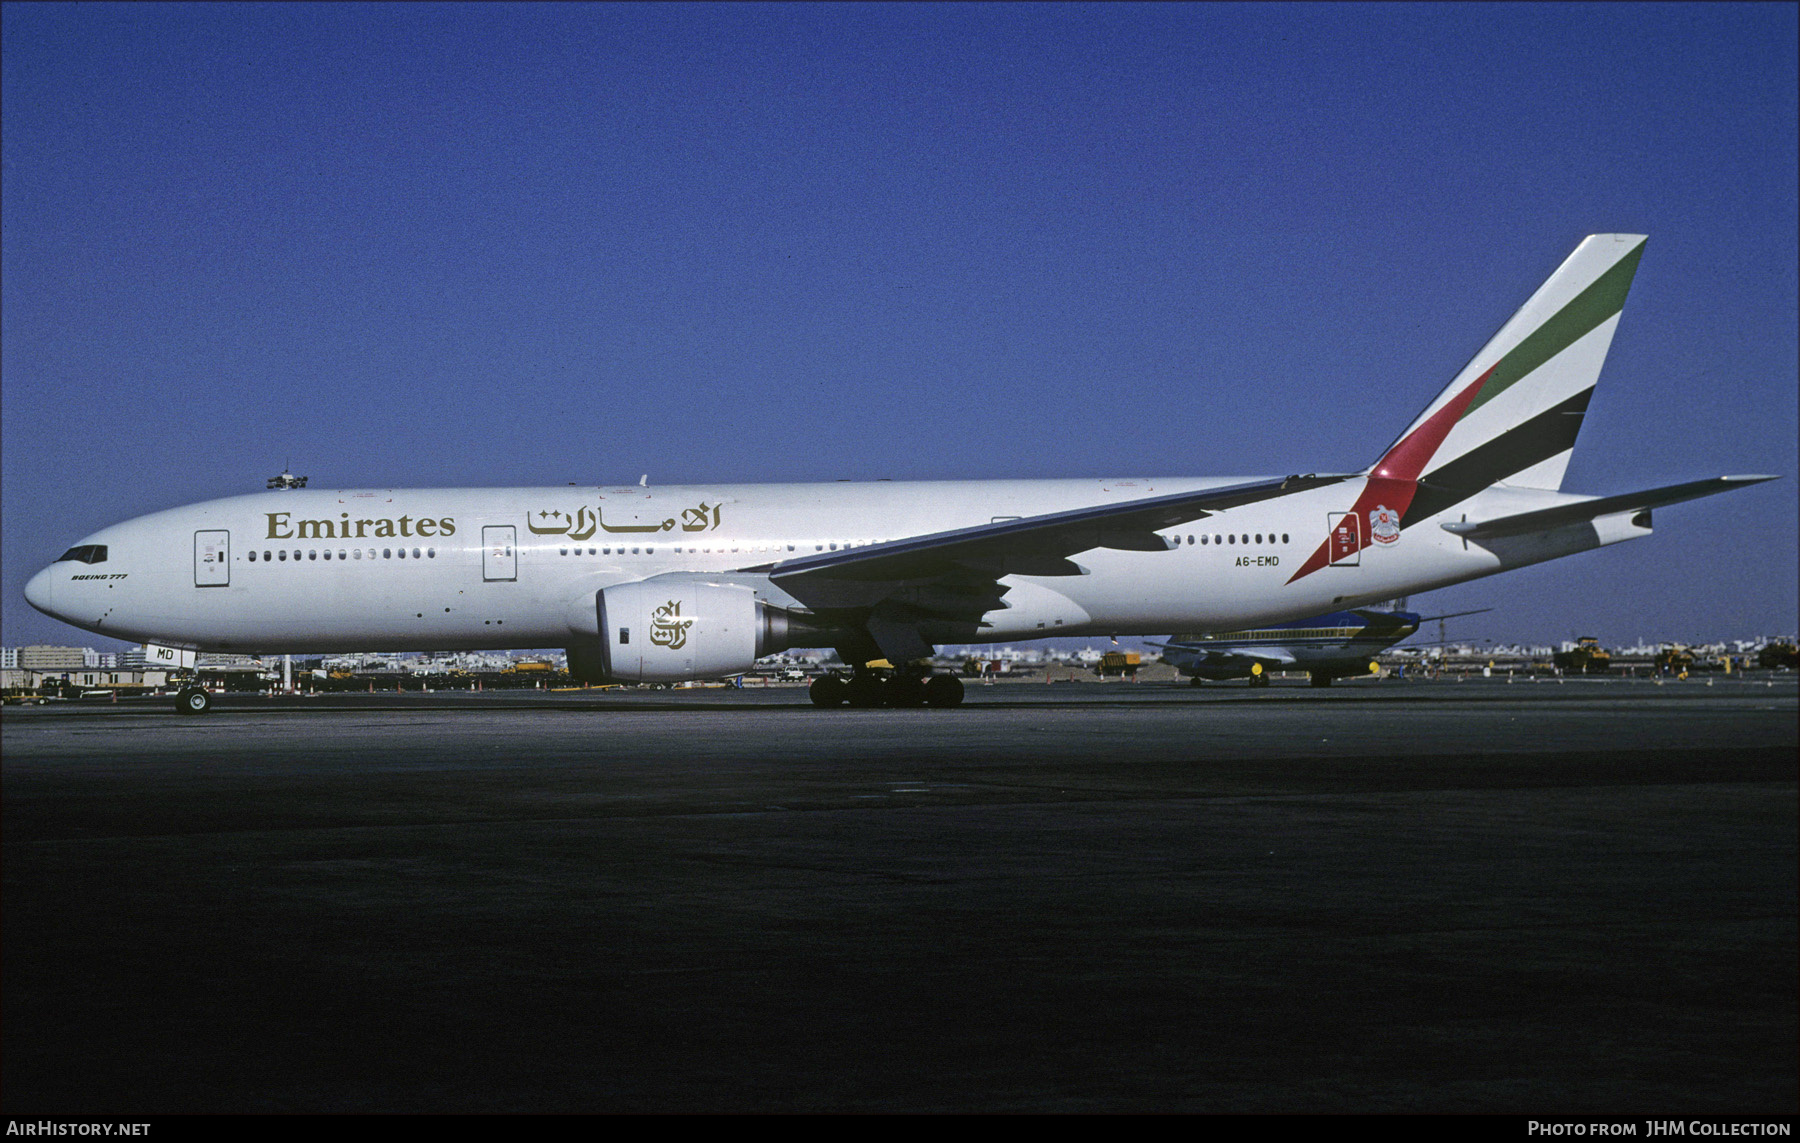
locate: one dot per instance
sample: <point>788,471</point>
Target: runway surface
<point>1529,897</point>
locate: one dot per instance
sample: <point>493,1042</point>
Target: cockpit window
<point>85,553</point>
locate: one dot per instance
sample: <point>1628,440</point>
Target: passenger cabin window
<point>85,553</point>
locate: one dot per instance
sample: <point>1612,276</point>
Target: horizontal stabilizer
<point>1453,615</point>
<point>1584,510</point>
<point>1202,655</point>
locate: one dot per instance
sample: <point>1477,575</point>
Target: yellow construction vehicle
<point>1121,663</point>
<point>1587,657</point>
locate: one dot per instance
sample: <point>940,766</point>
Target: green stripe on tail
<point>1574,321</point>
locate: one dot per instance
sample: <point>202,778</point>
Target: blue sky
<point>464,245</point>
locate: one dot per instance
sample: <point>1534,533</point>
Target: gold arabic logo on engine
<point>668,628</point>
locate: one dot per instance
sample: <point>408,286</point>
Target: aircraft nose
<point>40,591</point>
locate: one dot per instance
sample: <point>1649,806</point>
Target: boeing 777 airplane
<point>660,584</point>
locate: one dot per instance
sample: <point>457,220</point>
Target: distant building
<point>9,658</point>
<point>43,657</point>
<point>18,678</point>
<point>227,659</point>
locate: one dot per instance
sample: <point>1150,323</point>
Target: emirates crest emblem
<point>1384,524</point>
<point>668,628</point>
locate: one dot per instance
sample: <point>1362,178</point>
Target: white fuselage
<point>442,569</point>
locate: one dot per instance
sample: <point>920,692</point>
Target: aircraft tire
<point>1259,680</point>
<point>1195,681</point>
<point>943,691</point>
<point>193,700</point>
<point>827,690</point>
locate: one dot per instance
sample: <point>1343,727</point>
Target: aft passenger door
<point>499,553</point>
<point>212,559</point>
<point>1345,539</point>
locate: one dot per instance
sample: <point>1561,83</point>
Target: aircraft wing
<point>1582,511</point>
<point>1032,545</point>
<point>895,589</point>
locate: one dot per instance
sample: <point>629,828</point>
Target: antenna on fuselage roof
<point>286,480</point>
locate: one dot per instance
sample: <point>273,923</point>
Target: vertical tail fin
<point>1513,412</point>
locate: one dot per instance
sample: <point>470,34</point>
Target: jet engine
<point>674,627</point>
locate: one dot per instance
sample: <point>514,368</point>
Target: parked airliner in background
<point>661,584</point>
<point>1327,647</point>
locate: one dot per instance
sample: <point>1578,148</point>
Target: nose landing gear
<point>193,700</point>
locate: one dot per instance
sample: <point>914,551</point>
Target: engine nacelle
<point>675,627</point>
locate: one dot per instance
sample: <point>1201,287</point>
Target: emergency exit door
<point>212,559</point>
<point>499,553</point>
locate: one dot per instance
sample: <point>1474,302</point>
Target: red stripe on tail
<point>1394,479</point>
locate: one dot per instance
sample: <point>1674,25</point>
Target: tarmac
<point>1553,898</point>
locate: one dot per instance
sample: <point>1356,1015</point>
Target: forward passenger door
<point>212,559</point>
<point>499,553</point>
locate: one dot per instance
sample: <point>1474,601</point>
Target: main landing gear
<point>871,688</point>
